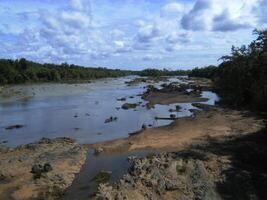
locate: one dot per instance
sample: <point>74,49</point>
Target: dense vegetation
<point>22,71</point>
<point>164,72</point>
<point>241,78</point>
<point>205,72</point>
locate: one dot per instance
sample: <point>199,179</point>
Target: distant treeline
<point>241,79</point>
<point>22,71</point>
<point>205,72</point>
<point>164,72</point>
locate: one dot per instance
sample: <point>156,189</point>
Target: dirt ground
<point>206,124</point>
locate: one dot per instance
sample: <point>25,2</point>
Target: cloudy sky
<point>131,34</point>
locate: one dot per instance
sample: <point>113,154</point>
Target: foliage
<point>22,71</point>
<point>205,72</point>
<point>164,72</point>
<point>241,78</point>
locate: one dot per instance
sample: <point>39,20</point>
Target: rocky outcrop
<point>164,176</point>
<point>127,106</point>
<point>41,170</point>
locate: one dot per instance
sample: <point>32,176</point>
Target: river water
<point>79,111</point>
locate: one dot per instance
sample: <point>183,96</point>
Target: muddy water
<point>78,111</point>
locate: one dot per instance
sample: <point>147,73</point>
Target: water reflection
<point>80,110</point>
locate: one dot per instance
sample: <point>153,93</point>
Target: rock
<point>127,106</point>
<point>149,106</point>
<point>53,163</point>
<point>172,116</point>
<point>178,108</point>
<point>121,99</point>
<point>17,126</point>
<point>103,176</point>
<point>111,119</point>
<point>202,106</point>
<point>47,167</point>
<point>98,150</point>
<point>38,169</point>
<point>45,141</point>
<point>144,127</point>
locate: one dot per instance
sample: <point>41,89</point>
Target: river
<point>79,111</point>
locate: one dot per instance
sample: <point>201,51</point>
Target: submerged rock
<point>17,126</point>
<point>127,106</point>
<point>121,99</point>
<point>103,176</point>
<point>172,116</point>
<point>111,119</point>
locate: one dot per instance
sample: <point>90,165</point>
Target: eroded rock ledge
<point>17,179</point>
<point>165,176</point>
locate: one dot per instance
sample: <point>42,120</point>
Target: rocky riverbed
<point>222,168</point>
<point>41,170</point>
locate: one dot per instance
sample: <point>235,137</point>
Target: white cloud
<point>85,32</point>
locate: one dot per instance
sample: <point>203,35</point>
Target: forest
<point>24,71</point>
<point>241,78</point>
<point>164,72</point>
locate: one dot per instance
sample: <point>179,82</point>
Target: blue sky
<point>128,34</point>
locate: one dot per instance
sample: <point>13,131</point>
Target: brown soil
<point>210,123</point>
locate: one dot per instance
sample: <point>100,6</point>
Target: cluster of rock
<point>163,176</point>
<point>111,119</point>
<point>186,89</point>
<point>151,79</point>
<point>127,106</point>
<point>40,170</point>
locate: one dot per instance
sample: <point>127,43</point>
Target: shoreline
<point>206,123</point>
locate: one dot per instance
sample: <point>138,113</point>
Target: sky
<point>128,34</point>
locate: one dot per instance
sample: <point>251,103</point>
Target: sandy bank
<point>213,122</point>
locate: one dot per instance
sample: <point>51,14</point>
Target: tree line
<point>164,72</point>
<point>241,78</point>
<point>23,71</point>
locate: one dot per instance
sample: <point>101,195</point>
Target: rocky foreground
<point>41,170</point>
<point>225,168</point>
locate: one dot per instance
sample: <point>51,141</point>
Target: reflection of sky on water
<point>51,114</point>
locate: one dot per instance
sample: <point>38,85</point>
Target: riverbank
<point>47,168</point>
<point>41,170</point>
<point>227,167</point>
<point>205,124</point>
